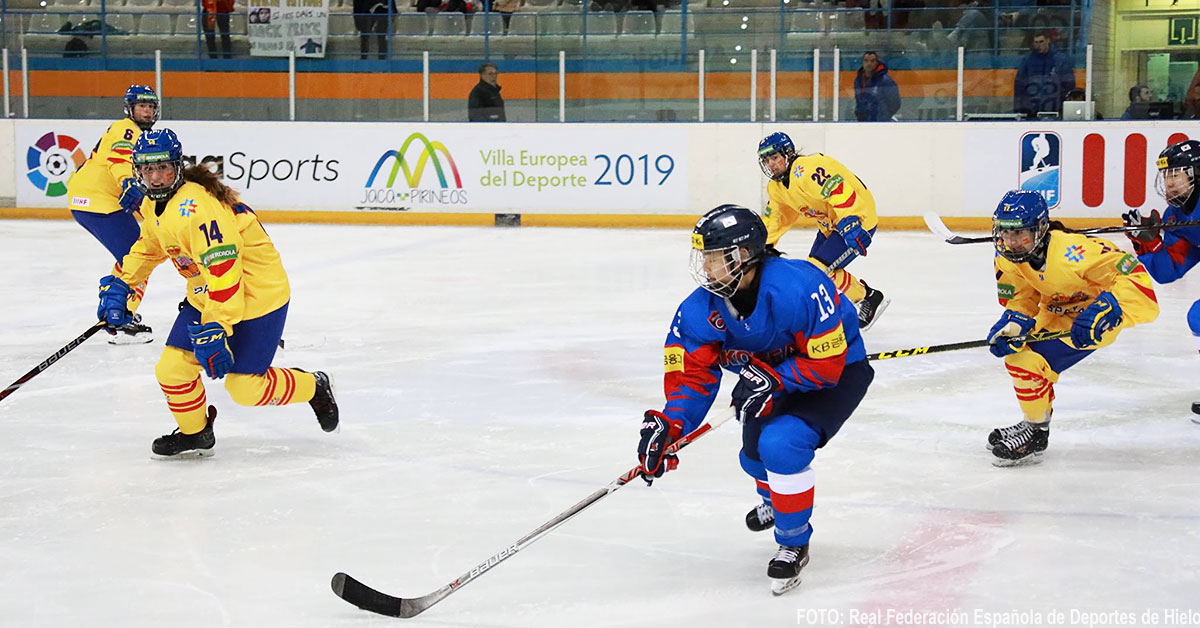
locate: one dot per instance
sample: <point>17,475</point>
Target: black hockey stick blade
<point>368,599</point>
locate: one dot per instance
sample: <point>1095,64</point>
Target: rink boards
<point>614,174</point>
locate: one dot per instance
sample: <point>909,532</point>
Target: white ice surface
<point>490,378</point>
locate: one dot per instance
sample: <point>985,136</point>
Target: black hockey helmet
<point>725,242</point>
<point>1177,166</point>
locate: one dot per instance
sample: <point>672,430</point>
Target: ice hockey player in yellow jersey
<point>103,196</point>
<point>237,297</point>
<point>818,187</point>
<point>1051,280</point>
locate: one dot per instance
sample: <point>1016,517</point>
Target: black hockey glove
<point>1148,239</point>
<point>658,432</point>
<point>752,397</point>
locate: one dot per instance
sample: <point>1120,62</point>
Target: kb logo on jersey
<point>1041,160</point>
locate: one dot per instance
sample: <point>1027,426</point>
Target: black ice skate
<point>761,517</point>
<point>1002,433</point>
<point>1022,448</point>
<point>323,402</point>
<point>871,307</point>
<point>180,445</point>
<point>133,333</point>
<point>784,569</point>
<point>1196,411</point>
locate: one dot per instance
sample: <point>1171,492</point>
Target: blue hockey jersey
<point>800,325</point>
<point>1180,249</point>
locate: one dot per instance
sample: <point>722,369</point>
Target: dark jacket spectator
<point>876,95</point>
<point>1191,99</point>
<point>371,18</point>
<point>485,104</point>
<point>1043,80</point>
<point>216,17</point>
<point>1137,94</point>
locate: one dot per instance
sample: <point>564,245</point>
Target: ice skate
<point>871,307</point>
<point>323,403</point>
<point>133,333</point>
<point>784,568</point>
<point>180,445</point>
<point>1196,412</point>
<point>1022,448</point>
<point>1002,433</point>
<point>761,517</point>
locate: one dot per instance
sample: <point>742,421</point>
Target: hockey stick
<point>935,224</point>
<point>372,600</point>
<point>955,346</point>
<point>67,348</point>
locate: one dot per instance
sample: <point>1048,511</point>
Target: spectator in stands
<point>216,16</point>
<point>1191,105</point>
<point>876,95</point>
<point>1137,94</point>
<point>972,30</point>
<point>1191,99</point>
<point>1043,79</point>
<point>371,17</point>
<point>506,8</point>
<point>485,104</point>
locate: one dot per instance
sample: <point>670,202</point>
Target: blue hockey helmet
<point>142,95</point>
<point>154,151</point>
<point>1177,166</point>
<point>776,143</point>
<point>1020,224</point>
<point>725,243</point>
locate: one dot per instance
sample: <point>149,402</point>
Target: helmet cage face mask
<point>148,161</point>
<point>719,271</point>
<point>776,144</point>
<point>1178,195</point>
<point>1029,239</point>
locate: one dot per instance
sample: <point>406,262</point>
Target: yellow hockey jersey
<point>96,186</point>
<point>232,269</point>
<point>821,188</point>
<point>1078,268</point>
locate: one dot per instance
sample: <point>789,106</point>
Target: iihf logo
<point>1041,160</point>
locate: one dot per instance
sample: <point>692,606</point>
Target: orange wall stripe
<point>517,85</point>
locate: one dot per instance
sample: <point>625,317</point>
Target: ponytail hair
<point>213,185</point>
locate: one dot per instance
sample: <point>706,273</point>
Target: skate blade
<point>781,586</point>
<point>1196,420</point>
<point>878,312</point>
<point>135,339</point>
<point>1027,461</point>
<point>193,454</point>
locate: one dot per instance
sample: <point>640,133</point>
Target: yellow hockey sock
<point>277,387</point>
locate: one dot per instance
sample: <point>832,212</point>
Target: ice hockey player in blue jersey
<point>793,341</point>
<point>1170,254</point>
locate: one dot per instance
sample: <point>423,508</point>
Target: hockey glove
<point>113,310</point>
<point>1011,325</point>
<point>1148,239</point>
<point>658,432</point>
<point>210,348</point>
<point>854,235</point>
<point>131,196</point>
<point>1102,315</point>
<point>752,397</point>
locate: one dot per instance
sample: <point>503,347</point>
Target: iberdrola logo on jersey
<point>430,178</point>
<point>50,162</point>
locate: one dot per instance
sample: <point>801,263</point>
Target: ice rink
<point>490,378</point>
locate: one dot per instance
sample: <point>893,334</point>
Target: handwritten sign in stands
<point>278,27</point>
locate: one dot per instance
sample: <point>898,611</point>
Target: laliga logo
<point>382,194</point>
<point>50,162</point>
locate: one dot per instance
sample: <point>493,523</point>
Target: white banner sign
<point>278,27</point>
<point>1083,169</point>
<point>519,168</point>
